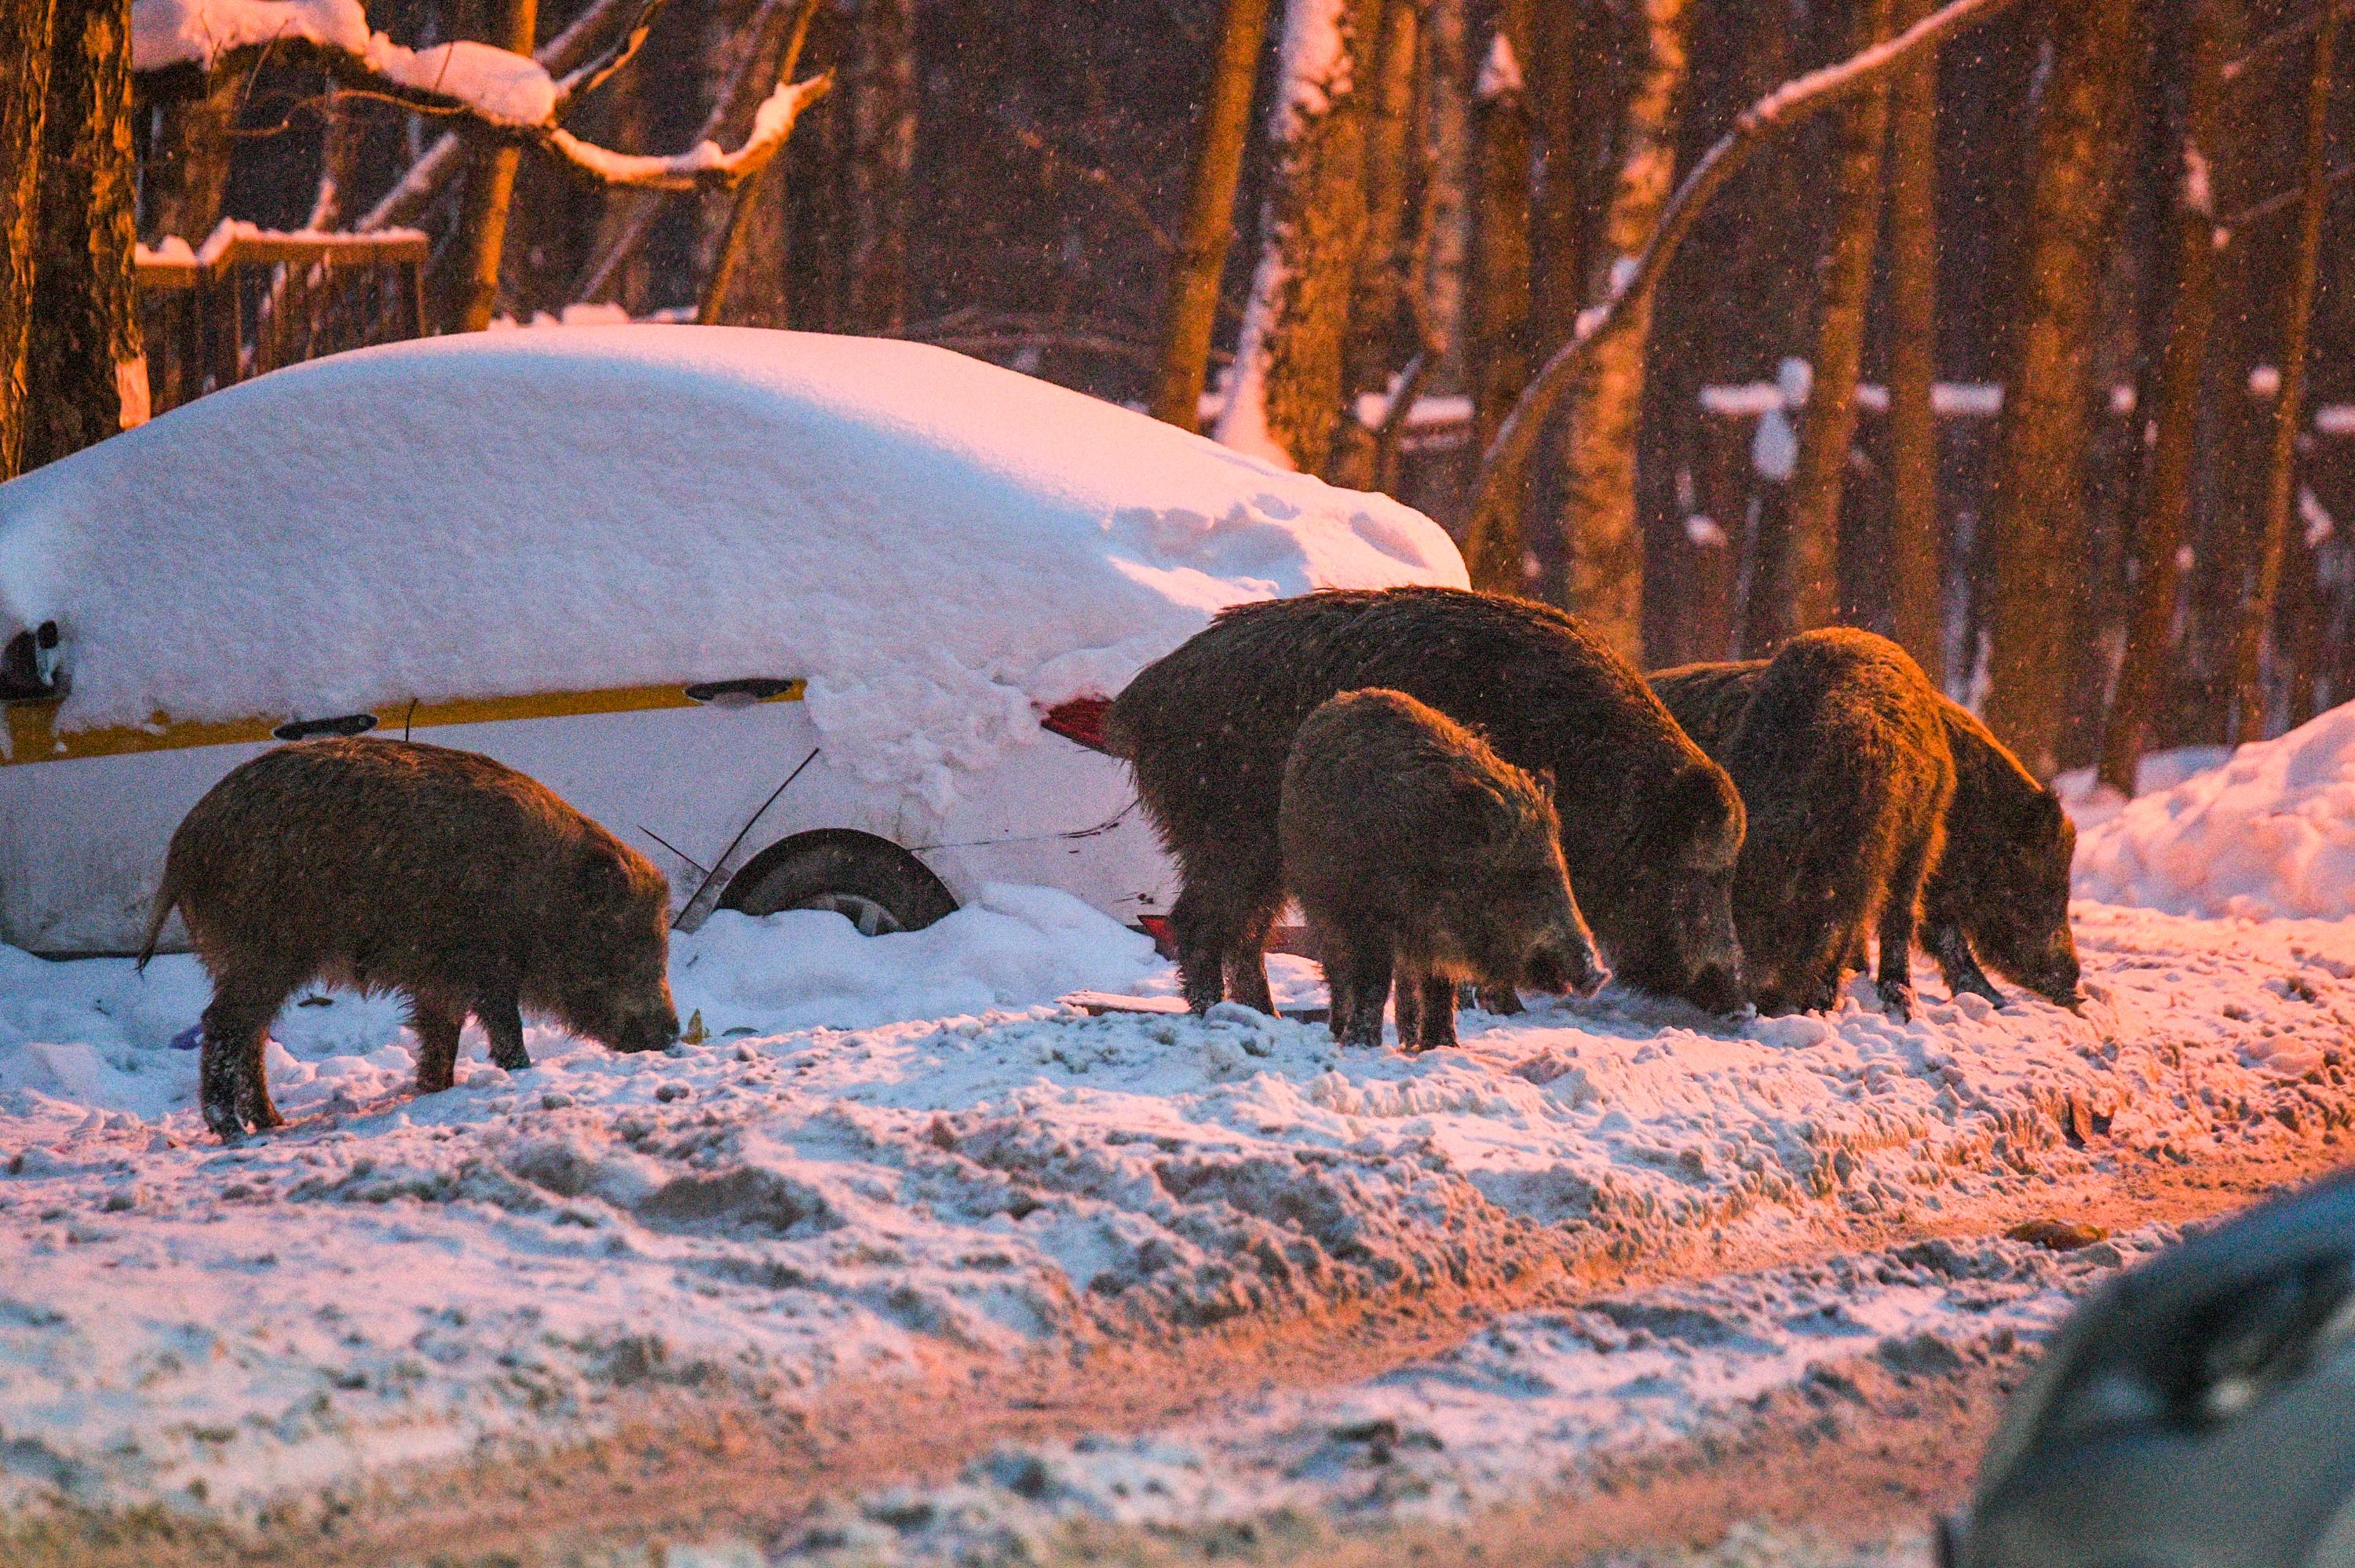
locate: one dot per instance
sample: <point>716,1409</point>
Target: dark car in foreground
<point>2198,1413</point>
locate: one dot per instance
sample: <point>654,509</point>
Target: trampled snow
<point>922,535</point>
<point>2270,832</point>
<point>887,1146</point>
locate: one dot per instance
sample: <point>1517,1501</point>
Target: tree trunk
<point>882,91</point>
<point>24,29</point>
<point>2249,704</point>
<point>1603,547</point>
<point>1577,75</point>
<point>1810,596</point>
<point>87,377</point>
<point>490,188</point>
<point>1191,317</point>
<point>2174,422</point>
<point>1372,351</point>
<point>1497,325</point>
<point>1447,178</point>
<point>186,182</point>
<point>2037,516</point>
<point>1284,394</point>
<point>1917,586</point>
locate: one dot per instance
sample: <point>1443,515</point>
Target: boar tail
<point>166,897</point>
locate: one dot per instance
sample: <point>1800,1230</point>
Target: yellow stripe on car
<point>34,736</point>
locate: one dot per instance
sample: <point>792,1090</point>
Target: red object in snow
<point>1080,719</point>
<point>1157,927</point>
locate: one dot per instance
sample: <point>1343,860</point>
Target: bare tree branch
<point>1792,104</point>
<point>599,271</point>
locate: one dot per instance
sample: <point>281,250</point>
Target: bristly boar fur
<point>1842,759</point>
<point>1650,827</point>
<point>1416,851</point>
<point>2000,890</point>
<point>394,866</point>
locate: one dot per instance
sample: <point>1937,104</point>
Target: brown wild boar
<point>1416,851</point>
<point>1999,892</point>
<point>1842,755</point>
<point>1650,826</point>
<point>394,866</point>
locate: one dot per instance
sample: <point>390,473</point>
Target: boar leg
<point>236,1029</point>
<point>1372,966</point>
<point>1948,943</point>
<point>503,1022</point>
<point>1213,923</point>
<point>1901,914</point>
<point>1436,1026</point>
<point>437,1023</point>
<point>1406,1001</point>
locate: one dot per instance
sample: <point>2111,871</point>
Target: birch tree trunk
<point>1496,323</point>
<point>1284,394</point>
<point>2249,704</point>
<point>1190,318</point>
<point>1604,545</point>
<point>882,93</point>
<point>1810,590</point>
<point>2191,315</point>
<point>25,31</point>
<point>2037,514</point>
<point>86,374</point>
<point>1372,351</point>
<point>1917,586</point>
<point>490,189</point>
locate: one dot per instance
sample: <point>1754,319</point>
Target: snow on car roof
<point>937,543</point>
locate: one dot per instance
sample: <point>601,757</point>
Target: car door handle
<point>343,724</point>
<point>750,689</point>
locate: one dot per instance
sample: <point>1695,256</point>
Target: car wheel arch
<point>845,870</point>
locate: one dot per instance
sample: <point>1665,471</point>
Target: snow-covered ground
<point>884,1147</point>
<point>969,1163</point>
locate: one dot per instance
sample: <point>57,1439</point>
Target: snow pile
<point>791,1204</point>
<point>2270,833</point>
<point>938,545</point>
<point>2091,803</point>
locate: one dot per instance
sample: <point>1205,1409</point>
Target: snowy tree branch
<point>502,95</point>
<point>569,52</point>
<point>1792,104</point>
<point>705,164</point>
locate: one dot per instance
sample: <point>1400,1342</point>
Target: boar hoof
<point>1897,1000</point>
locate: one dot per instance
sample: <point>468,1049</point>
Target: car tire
<point>874,883</point>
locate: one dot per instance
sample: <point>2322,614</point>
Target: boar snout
<point>1563,968</point>
<point>1717,988</point>
<point>649,1029</point>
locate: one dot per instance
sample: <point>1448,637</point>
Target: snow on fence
<point>250,299</point>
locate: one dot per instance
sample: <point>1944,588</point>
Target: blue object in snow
<point>189,1039</point>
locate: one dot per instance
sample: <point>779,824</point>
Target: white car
<point>799,616</point>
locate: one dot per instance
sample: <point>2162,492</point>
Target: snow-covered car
<point>810,620</point>
<point>2193,1414</point>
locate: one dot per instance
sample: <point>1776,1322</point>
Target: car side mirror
<point>29,665</point>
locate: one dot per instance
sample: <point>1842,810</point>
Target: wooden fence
<point>249,300</point>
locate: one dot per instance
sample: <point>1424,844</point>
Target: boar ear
<point>600,876</point>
